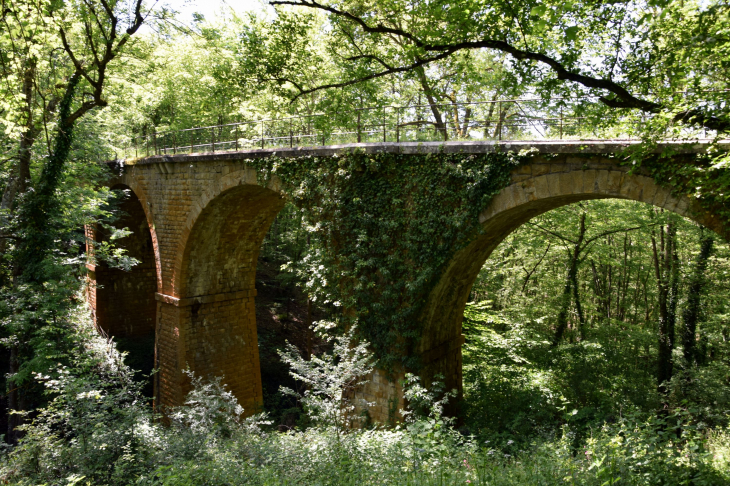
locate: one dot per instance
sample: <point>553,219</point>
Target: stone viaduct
<point>198,221</point>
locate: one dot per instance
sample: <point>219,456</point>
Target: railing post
<point>212,140</point>
<point>397,125</point>
<point>174,143</point>
<point>383,124</point>
<point>236,137</point>
<point>359,130</point>
<point>154,142</point>
<point>191,142</point>
<point>262,134</point>
<point>291,134</point>
<point>561,123</point>
<point>579,128</point>
<point>499,121</point>
<point>446,128</point>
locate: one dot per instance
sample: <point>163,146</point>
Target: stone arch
<point>535,188</point>
<point>208,324</point>
<point>124,302</point>
<point>235,180</point>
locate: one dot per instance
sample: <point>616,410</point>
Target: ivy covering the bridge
<point>705,177</point>
<point>387,224</point>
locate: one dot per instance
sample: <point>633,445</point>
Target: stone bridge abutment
<point>206,216</point>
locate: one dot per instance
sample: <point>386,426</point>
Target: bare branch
<point>552,233</point>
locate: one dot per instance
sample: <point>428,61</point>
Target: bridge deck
<point>481,147</point>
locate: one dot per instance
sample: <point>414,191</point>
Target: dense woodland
<point>597,334</point>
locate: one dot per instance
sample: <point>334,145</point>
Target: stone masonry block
<point>566,183</point>
<point>590,177</point>
<point>661,197</point>
<point>540,169</point>
<point>602,182</point>
<point>613,185</point>
<point>577,181</point>
<point>541,187</point>
<point>554,184</point>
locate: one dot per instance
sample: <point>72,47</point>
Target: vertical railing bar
<point>499,120</point>
<point>359,128</point>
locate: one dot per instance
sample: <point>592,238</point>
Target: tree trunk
<point>578,308</point>
<point>667,273</point>
<point>562,322</point>
<point>13,419</point>
<point>39,210</point>
<point>18,183</point>
<point>691,312</point>
<point>16,187</point>
<point>440,126</point>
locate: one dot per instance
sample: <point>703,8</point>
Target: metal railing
<point>492,120</point>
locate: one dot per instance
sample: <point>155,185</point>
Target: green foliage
<point>424,403</point>
<point>558,47</point>
<point>518,387</point>
<point>91,424</point>
<point>330,380</point>
<point>386,225</point>
<point>95,431</point>
<point>41,206</point>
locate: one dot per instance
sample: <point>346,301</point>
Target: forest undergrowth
<point>97,429</point>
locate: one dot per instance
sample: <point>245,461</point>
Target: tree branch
<point>623,99</point>
<point>371,57</point>
<point>380,74</point>
<point>552,233</point>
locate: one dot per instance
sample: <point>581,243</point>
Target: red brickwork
<point>125,301</point>
<point>205,225</point>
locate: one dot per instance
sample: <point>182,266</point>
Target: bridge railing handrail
<point>523,118</point>
<point>380,107</point>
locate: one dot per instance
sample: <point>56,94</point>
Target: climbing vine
<point>704,177</point>
<point>387,225</point>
